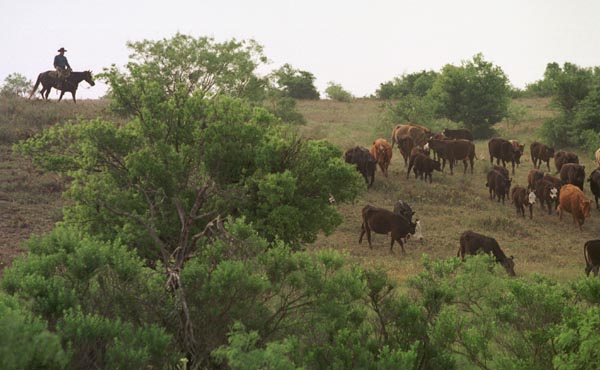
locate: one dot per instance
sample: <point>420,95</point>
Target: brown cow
<point>561,157</point>
<point>382,221</point>
<point>454,150</point>
<point>502,170</point>
<point>423,165</point>
<point>364,161</point>
<point>597,157</point>
<point>419,134</point>
<point>594,181</point>
<point>405,146</point>
<point>503,150</point>
<point>382,151</point>
<point>541,153</point>
<point>572,173</point>
<point>533,177</point>
<point>572,200</point>
<point>520,147</point>
<point>521,199</point>
<point>472,242</point>
<point>547,193</point>
<point>591,253</point>
<point>498,184</point>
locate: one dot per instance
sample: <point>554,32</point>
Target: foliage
<point>417,84</point>
<point>169,70</point>
<point>25,342</point>
<point>476,94</point>
<point>15,85</point>
<point>295,83</point>
<point>335,91</point>
<point>284,108</point>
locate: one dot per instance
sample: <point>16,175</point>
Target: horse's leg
<point>73,95</point>
<point>45,92</point>
<point>61,95</point>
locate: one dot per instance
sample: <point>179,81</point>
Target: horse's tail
<point>37,83</point>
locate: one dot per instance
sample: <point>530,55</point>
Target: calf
<point>382,221</point>
<point>364,161</point>
<point>562,157</point>
<point>423,165</point>
<point>572,200</point>
<point>591,253</point>
<point>594,181</point>
<point>472,242</point>
<point>521,199</point>
<point>382,151</point>
<point>572,173</point>
<point>541,153</point>
<point>498,184</point>
<point>547,193</point>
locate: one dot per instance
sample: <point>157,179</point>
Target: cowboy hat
<point>61,49</point>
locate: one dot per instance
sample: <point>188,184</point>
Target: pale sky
<point>358,44</point>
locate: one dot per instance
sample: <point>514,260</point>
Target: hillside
<point>31,202</point>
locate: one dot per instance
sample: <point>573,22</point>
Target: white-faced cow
<point>471,243</point>
<point>522,198</point>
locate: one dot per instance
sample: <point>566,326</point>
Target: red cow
<point>572,200</point>
<point>382,151</point>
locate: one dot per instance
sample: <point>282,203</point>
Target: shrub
<point>336,92</point>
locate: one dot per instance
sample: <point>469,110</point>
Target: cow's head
<point>418,231</point>
<point>553,193</point>
<point>509,265</point>
<point>531,198</point>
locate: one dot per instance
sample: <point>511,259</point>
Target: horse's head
<point>87,77</point>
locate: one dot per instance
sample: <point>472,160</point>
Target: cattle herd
<point>424,152</point>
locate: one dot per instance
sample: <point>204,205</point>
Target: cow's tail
<point>586,255</point>
<point>37,83</point>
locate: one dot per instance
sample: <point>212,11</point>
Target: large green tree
<point>476,93</point>
<point>15,85</point>
<point>295,83</point>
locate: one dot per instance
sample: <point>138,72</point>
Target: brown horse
<point>70,84</point>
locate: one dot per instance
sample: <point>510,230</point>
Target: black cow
<point>591,252</point>
<point>454,150</point>
<point>365,163</point>
<point>504,151</point>
<point>404,209</point>
<point>472,242</point>
<point>498,184</point>
<point>572,173</point>
<point>382,221</point>
<point>541,153</point>
<point>458,134</point>
<point>423,165</point>
<point>594,181</point>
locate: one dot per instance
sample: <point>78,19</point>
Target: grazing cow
<point>423,165</point>
<point>522,198</point>
<point>403,209</point>
<point>597,157</point>
<point>594,181</point>
<point>382,221</point>
<point>561,157</point>
<point>454,150</point>
<point>498,184</point>
<point>503,150</point>
<point>382,151</point>
<point>364,161</point>
<point>472,242</point>
<point>547,193</point>
<point>533,177</point>
<point>572,200</point>
<point>541,153</point>
<point>571,173</point>
<point>591,253</point>
<point>517,146</point>
<point>458,134</point>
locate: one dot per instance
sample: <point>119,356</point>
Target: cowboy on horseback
<point>63,69</point>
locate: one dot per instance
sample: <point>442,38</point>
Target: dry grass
<point>451,204</point>
<point>30,201</point>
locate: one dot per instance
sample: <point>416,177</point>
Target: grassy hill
<point>30,200</point>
